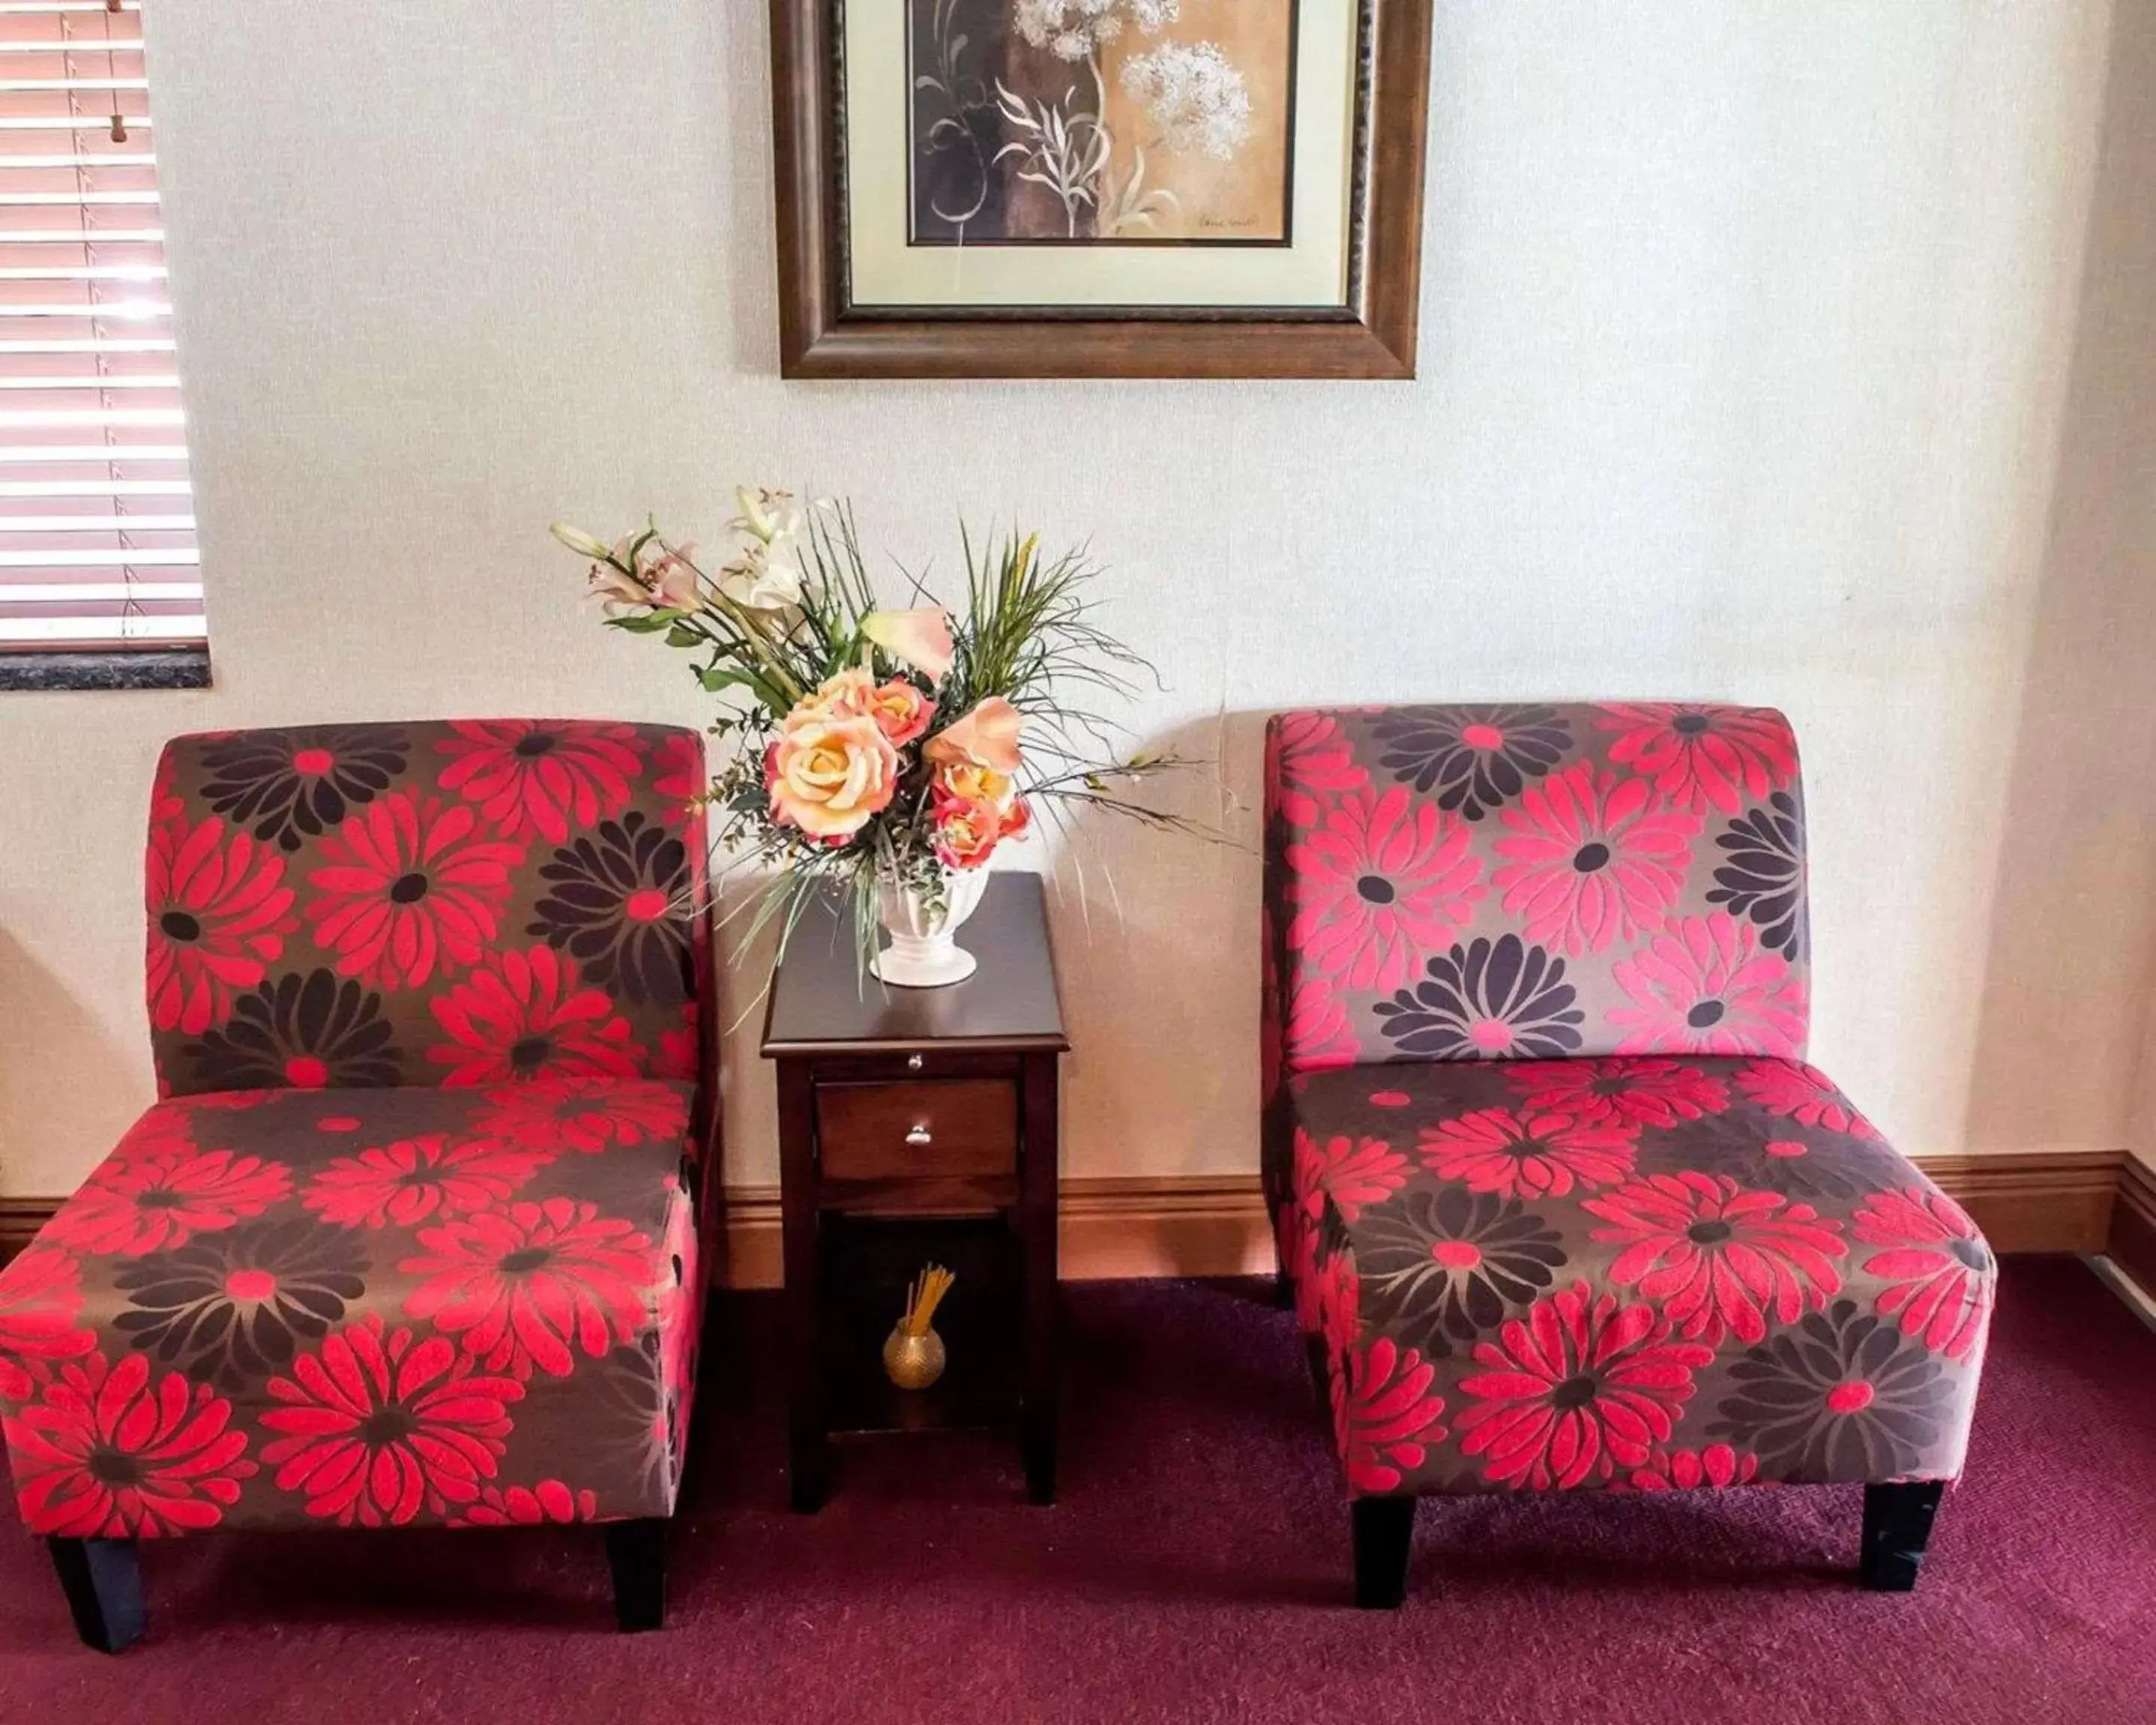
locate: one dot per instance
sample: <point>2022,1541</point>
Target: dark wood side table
<point>921,1124</point>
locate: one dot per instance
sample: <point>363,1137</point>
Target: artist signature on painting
<point>1229,223</point>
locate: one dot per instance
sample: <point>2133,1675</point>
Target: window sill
<point>173,668</point>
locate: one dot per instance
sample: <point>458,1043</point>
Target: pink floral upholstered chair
<point>412,1236</point>
<point>1559,1201</point>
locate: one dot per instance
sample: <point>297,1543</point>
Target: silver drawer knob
<point>914,1063</point>
<point>919,1136</point>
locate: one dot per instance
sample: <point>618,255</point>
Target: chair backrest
<point>467,902</point>
<point>1491,882</point>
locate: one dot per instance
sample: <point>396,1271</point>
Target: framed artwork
<point>1058,189</point>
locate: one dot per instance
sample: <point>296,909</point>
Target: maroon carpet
<point>1195,1571</point>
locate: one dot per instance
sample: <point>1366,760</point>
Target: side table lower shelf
<point>869,1262</point>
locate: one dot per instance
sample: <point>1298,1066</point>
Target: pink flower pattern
<point>1804,1094</point>
<point>1527,1155</point>
<point>1938,1270</point>
<point>1578,1389</point>
<point>1716,1467</point>
<point>1705,986</point>
<point>1384,880</point>
<point>1703,757</point>
<point>1717,1260</point>
<point>1589,862</point>
<point>40,1306</point>
<point>1319,1028</point>
<point>1628,1092</point>
<point>1352,1172</point>
<point>1313,763</point>
<point>1385,1415</point>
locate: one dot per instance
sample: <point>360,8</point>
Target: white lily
<point>581,543</point>
<point>765,576</point>
<point>771,515</point>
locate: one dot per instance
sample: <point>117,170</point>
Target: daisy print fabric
<point>461,903</point>
<point>412,1236</point>
<point>376,1307</point>
<point>1642,1274</point>
<point>1562,1205</point>
<point>1519,881</point>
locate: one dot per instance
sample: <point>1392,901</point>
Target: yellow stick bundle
<point>921,1300</point>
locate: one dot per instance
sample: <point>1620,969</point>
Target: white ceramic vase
<point>922,953</point>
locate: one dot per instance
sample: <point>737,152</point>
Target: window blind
<point>97,525</point>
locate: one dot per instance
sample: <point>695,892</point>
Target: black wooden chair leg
<point>1898,1525</point>
<point>103,1589</point>
<point>1320,1375</point>
<point>637,1550</point>
<point>1384,1532</point>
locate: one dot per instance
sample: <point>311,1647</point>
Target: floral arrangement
<point>879,747</point>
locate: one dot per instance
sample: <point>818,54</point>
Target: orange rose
<point>900,711</point>
<point>845,696</point>
<point>969,783</point>
<point>966,833</point>
<point>828,773</point>
<point>968,828</point>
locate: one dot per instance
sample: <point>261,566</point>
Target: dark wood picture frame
<point>1374,336</point>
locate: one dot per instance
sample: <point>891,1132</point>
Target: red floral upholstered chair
<point>412,1236</point>
<point>1560,1203</point>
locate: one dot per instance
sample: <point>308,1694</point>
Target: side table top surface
<point>820,1003</point>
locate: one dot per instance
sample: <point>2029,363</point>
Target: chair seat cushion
<point>1626,1273</point>
<point>370,1307</point>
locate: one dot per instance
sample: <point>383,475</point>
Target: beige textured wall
<point>1746,333</point>
<point>2074,941</point>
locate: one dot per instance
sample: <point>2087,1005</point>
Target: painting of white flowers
<point>1101,122</point>
<point>1100,188</point>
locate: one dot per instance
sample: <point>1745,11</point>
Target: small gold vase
<point>912,1362</point>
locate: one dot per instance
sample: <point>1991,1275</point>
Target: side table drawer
<point>928,1129</point>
